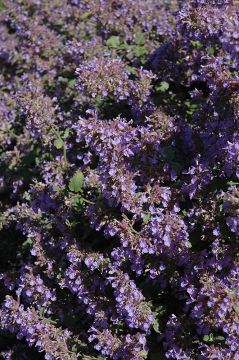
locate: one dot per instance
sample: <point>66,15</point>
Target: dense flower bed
<point>119,182</point>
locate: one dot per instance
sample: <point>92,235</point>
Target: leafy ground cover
<point>119,174</point>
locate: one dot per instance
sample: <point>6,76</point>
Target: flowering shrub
<point>119,183</point>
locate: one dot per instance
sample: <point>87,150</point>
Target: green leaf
<point>211,51</point>
<point>27,243</point>
<point>42,311</point>
<point>59,143</point>
<point>77,182</point>
<point>236,308</point>
<point>219,338</point>
<point>163,86</point>
<point>139,38</point>
<point>232,183</point>
<point>26,196</point>
<point>78,203</point>
<point>98,101</point>
<point>208,338</point>
<point>143,353</point>
<point>124,46</point>
<point>139,51</point>
<point>146,218</point>
<point>85,15</point>
<point>55,188</point>
<point>196,44</point>
<point>58,276</point>
<point>48,321</point>
<point>160,310</point>
<point>2,6</point>
<point>156,326</point>
<point>74,348</point>
<point>191,107</point>
<point>131,69</point>
<point>113,42</point>
<point>71,83</point>
<point>66,133</point>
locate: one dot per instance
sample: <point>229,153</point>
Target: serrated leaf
<point>66,133</point>
<point>139,38</point>
<point>113,42</point>
<point>77,200</point>
<point>78,203</point>
<point>163,86</point>
<point>77,182</point>
<point>71,83</point>
<point>139,51</point>
<point>58,143</point>
<point>85,15</point>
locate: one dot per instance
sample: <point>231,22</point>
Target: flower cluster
<point>26,324</point>
<point>119,197</point>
